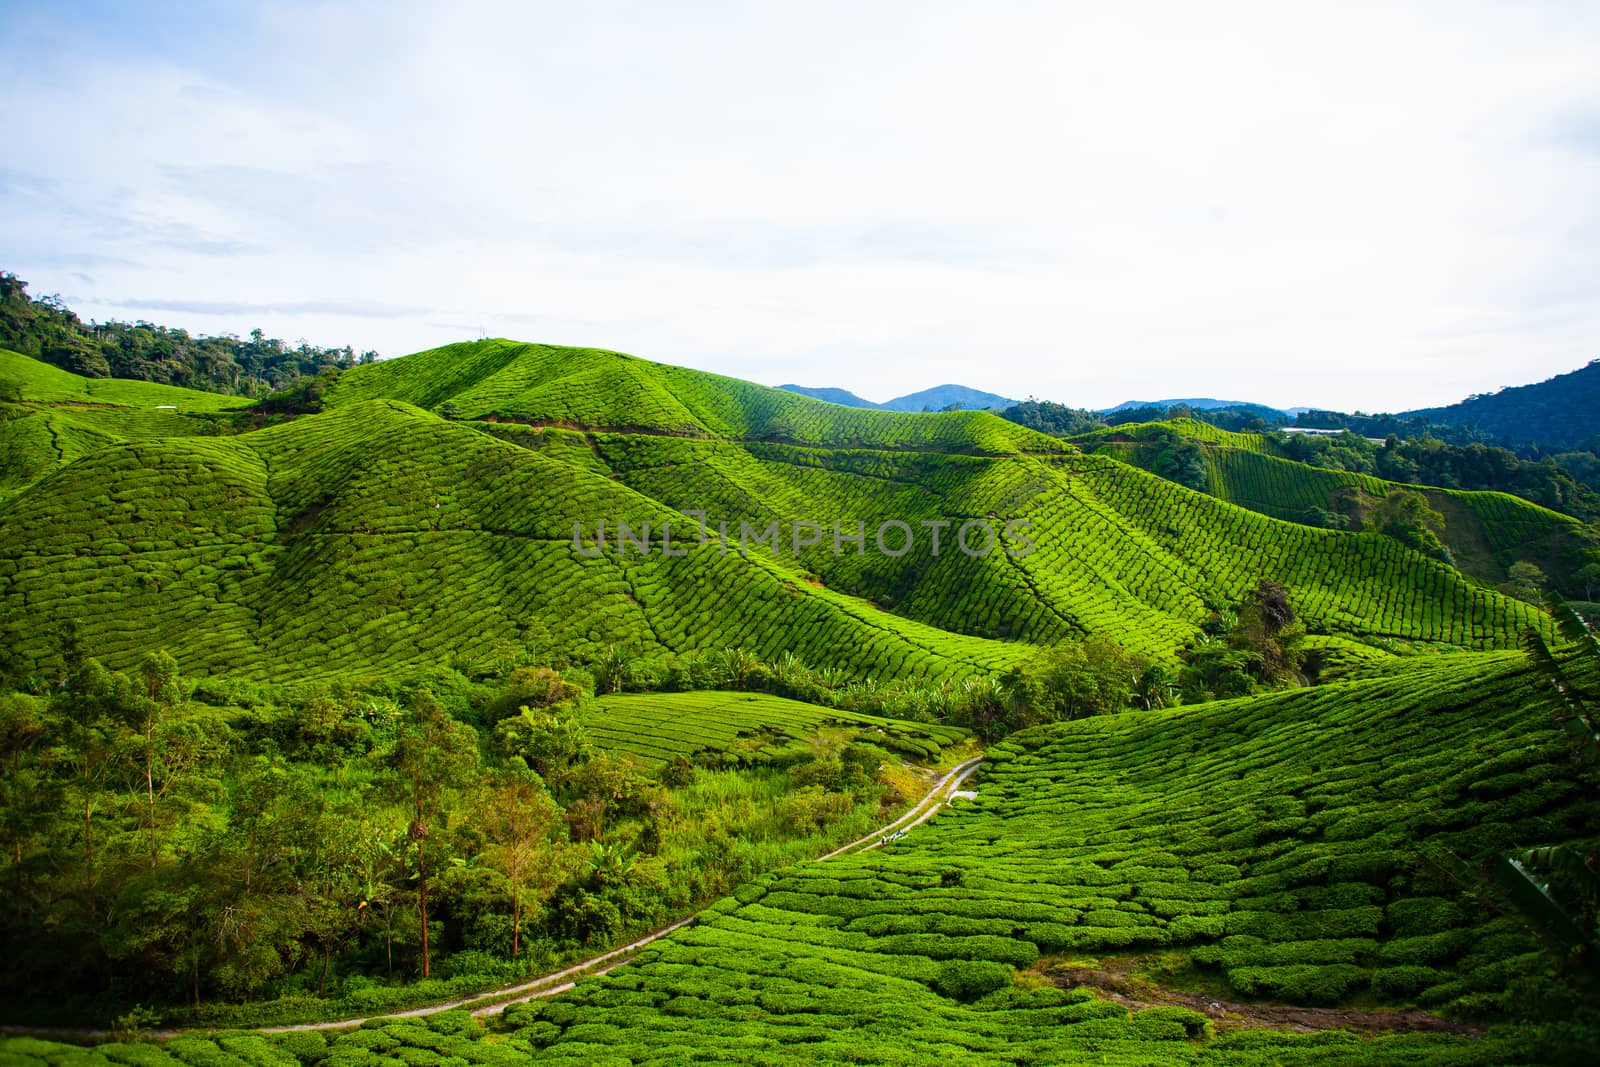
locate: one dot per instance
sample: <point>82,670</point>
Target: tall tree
<point>88,708</point>
<point>158,692</point>
<point>432,755</point>
<point>519,816</point>
<point>25,803</point>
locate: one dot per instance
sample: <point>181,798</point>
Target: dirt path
<point>495,1001</point>
<point>1136,993</point>
<point>918,813</point>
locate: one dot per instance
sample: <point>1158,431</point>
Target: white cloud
<point>1359,208</point>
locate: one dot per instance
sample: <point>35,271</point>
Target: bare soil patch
<point>1116,981</point>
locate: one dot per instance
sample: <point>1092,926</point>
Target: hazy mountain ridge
<point>1201,403</point>
<point>938,398</point>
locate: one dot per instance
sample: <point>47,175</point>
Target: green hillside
<point>1299,848</point>
<point>1485,531</point>
<point>419,528</point>
<point>1276,845</point>
<point>592,388</point>
<point>49,417</point>
<point>42,382</point>
<point>377,536</point>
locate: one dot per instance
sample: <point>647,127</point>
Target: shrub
<point>1167,1022</point>
<point>1401,983</point>
<point>971,979</point>
<point>1301,983</point>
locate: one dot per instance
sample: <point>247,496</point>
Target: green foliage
<point>47,330</point>
<point>164,845</point>
<point>1259,644</point>
<point>304,397</point>
<point>971,979</point>
<point>738,727</point>
<point>1335,483</point>
<point>548,742</point>
<point>1526,582</point>
<point>1095,676</point>
<point>1274,838</point>
<point>1404,515</point>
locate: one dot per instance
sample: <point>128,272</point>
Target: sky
<point>1357,206</point>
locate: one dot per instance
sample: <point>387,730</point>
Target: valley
<point>346,641</point>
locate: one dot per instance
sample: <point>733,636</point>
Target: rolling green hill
<point>376,536</point>
<point>591,388</point>
<point>1277,844</point>
<point>380,537</point>
<point>1485,531</point>
<point>1285,846</point>
<point>53,417</point>
<point>41,382</point>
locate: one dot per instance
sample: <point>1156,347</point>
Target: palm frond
<point>1572,627</point>
<point>1530,896</point>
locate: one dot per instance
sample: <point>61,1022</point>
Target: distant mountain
<point>943,396</point>
<point>831,395</point>
<point>1200,403</point>
<point>940,397</point>
<point>1563,410</point>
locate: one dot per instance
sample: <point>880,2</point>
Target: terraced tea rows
<point>1486,531</point>
<point>1351,583</point>
<point>376,536</point>
<point>380,537</point>
<point>658,726</point>
<point>1114,549</point>
<point>1280,839</point>
<point>1099,1033</point>
<point>62,417</point>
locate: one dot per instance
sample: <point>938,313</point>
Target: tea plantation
<point>1285,843</point>
<point>595,389</point>
<point>1282,841</point>
<point>450,521</point>
<point>377,536</point>
<point>1485,531</point>
<point>659,726</point>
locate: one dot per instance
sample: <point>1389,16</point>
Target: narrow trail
<point>494,1001</point>
<point>918,813</point>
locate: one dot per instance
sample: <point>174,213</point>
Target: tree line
<point>49,331</point>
